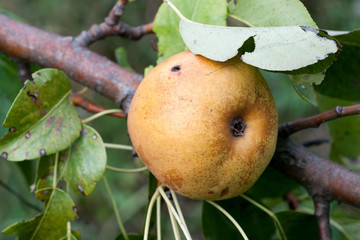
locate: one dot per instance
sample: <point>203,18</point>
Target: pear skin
<point>205,129</point>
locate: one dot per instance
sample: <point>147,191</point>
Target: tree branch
<point>31,44</point>
<point>113,27</point>
<point>289,128</point>
<point>322,210</point>
<point>89,106</point>
<point>319,176</point>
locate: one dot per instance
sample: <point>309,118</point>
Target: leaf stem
<point>117,215</point>
<point>55,170</point>
<point>82,91</point>
<point>268,212</point>
<point>174,225</point>
<point>68,230</point>
<point>233,221</point>
<point>172,209</point>
<point>158,218</point>
<point>118,146</point>
<point>123,170</point>
<point>176,10</point>
<point>178,208</point>
<point>97,115</point>
<point>148,214</point>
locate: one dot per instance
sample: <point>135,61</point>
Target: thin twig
<point>148,213</point>
<point>100,114</point>
<point>89,106</point>
<point>100,31</point>
<point>289,128</point>
<point>116,12</point>
<point>322,215</point>
<point>176,215</point>
<point>118,146</point>
<point>233,221</point>
<point>174,226</point>
<point>123,170</point>
<point>158,218</point>
<point>112,26</point>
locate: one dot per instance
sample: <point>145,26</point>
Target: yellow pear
<point>205,129</point>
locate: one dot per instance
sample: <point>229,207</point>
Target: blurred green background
<point>69,18</point>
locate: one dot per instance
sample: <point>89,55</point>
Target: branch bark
<point>289,128</point>
<point>319,176</point>
<point>31,44</point>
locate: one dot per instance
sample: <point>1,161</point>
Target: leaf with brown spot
<point>42,108</point>
<point>51,223</point>
<point>85,163</point>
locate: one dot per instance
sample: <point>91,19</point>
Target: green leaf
<point>284,48</point>
<point>166,23</point>
<point>44,176</point>
<point>270,13</point>
<point>42,120</point>
<point>271,184</point>
<point>342,79</point>
<point>10,83</point>
<point>305,90</point>
<point>82,165</point>
<point>51,223</point>
<point>216,226</point>
<point>11,15</point>
<point>298,226</point>
<point>9,87</point>
<point>121,58</point>
<point>70,237</point>
<point>84,162</point>
<point>344,132</point>
<point>283,13</point>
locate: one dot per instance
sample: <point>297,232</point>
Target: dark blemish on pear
<point>13,129</point>
<point>38,73</point>
<point>27,135</point>
<point>176,68</point>
<point>237,127</point>
<point>42,152</point>
<point>4,155</point>
<point>224,192</point>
